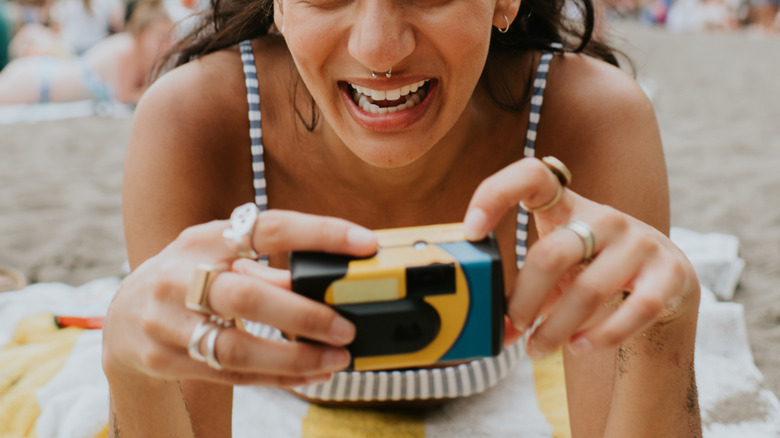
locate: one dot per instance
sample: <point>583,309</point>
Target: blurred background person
<point>765,14</point>
<point>117,68</point>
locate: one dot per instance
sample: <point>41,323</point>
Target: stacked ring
<point>562,176</point>
<point>210,326</point>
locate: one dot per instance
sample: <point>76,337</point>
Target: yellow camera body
<point>428,296</point>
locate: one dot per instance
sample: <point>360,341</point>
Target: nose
<point>380,37</point>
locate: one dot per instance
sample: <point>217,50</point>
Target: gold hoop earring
<point>506,29</point>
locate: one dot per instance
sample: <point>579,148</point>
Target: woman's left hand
<point>632,264</point>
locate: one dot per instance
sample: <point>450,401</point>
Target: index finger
<point>281,231</point>
<point>528,181</point>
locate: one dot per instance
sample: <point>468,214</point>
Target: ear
<point>279,16</point>
<point>505,12</point>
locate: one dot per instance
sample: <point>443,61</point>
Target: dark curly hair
<point>539,23</point>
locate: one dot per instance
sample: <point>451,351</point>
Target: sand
<point>716,100</point>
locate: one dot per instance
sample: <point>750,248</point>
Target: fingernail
<point>474,224</point>
<point>532,351</point>
<point>342,331</point>
<point>361,237</point>
<point>580,345</point>
<point>335,359</point>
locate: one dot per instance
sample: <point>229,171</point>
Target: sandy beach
<point>716,99</point>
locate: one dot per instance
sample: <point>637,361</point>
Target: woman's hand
<point>632,264</point>
<point>148,327</point>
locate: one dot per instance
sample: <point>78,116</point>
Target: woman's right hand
<point>148,327</point>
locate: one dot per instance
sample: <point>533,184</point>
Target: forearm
<point>654,392</point>
<point>148,408</point>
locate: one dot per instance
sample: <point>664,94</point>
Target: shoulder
<point>598,92</point>
<point>188,142</point>
<point>597,119</point>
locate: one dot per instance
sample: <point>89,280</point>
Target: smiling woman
<point>336,117</point>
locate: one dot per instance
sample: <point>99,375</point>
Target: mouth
<point>389,101</point>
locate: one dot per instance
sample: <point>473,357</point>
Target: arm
<point>184,167</point>
<point>628,361</point>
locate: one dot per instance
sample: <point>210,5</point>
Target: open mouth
<point>389,101</point>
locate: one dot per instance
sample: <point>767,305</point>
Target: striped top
<point>419,384</point>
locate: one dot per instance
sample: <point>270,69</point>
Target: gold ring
<point>242,225</point>
<point>588,238</point>
<point>198,293</point>
<point>547,206</point>
<point>559,169</point>
<point>562,176</point>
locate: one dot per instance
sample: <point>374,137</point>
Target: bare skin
<point>626,380</point>
<point>124,61</point>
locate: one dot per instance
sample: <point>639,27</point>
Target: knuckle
<point>303,359</point>
<point>546,260</point>
<point>270,226</point>
<point>150,325</point>
<point>589,294</point>
<point>648,306</point>
<point>236,298</point>
<point>613,220</point>
<point>314,319</point>
<point>611,337</point>
<point>544,341</point>
<point>154,359</point>
<point>678,269</point>
<point>645,244</point>
<point>231,353</point>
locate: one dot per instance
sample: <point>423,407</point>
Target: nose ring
<point>388,74</point>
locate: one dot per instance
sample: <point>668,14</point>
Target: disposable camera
<point>427,296</point>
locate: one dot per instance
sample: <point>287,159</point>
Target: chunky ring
<point>559,169</point>
<point>211,356</point>
<point>193,348</point>
<point>588,238</point>
<point>242,224</point>
<point>197,294</point>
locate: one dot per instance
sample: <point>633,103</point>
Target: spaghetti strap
<point>537,98</point>
<point>452,381</point>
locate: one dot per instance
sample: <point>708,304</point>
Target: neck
<point>465,155</point>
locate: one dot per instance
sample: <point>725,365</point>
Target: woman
<point>116,69</point>
<point>387,113</point>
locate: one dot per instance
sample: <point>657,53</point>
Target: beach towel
<point>52,385</point>
<point>43,112</point>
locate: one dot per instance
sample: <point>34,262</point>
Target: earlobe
<point>279,15</point>
<point>505,14</point>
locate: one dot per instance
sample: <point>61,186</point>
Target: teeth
<point>378,94</point>
<point>361,96</point>
<point>389,94</point>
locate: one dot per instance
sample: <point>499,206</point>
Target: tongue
<point>389,103</point>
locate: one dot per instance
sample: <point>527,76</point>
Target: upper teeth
<point>389,94</point>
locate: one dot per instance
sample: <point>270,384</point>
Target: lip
<point>390,121</point>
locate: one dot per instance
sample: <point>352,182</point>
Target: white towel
<point>734,398</point>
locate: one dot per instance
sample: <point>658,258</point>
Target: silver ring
<point>242,225</point>
<point>211,354</point>
<point>588,238</point>
<point>193,348</point>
